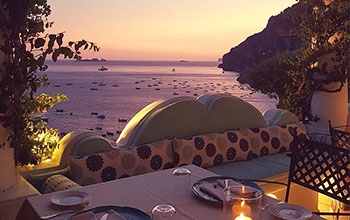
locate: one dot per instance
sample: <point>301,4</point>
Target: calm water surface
<point>128,86</point>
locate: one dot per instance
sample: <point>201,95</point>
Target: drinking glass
<point>242,202</point>
<point>163,212</point>
<point>182,181</point>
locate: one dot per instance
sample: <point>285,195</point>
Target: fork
<point>268,204</point>
<point>62,213</point>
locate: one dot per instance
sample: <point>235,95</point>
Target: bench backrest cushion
<point>119,163</point>
<point>244,144</point>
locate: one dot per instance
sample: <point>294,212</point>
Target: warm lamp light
<point>272,195</point>
<point>242,217</point>
<point>241,208</point>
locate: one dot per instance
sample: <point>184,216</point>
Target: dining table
<point>142,192</point>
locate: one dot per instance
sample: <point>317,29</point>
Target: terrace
<point>213,156</point>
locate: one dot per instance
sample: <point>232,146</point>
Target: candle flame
<point>242,203</point>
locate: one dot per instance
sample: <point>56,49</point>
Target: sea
<point>104,101</point>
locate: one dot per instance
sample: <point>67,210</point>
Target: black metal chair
<point>340,135</point>
<point>321,167</point>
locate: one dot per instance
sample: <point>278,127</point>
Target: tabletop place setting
<point>187,192</point>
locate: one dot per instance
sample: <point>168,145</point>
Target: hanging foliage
<point>24,48</point>
<point>292,77</point>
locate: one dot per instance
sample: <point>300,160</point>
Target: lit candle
<point>241,208</point>
<point>242,217</point>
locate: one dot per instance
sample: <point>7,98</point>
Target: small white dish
<point>289,212</point>
<point>70,198</point>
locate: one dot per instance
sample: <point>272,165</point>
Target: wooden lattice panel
<point>322,168</point>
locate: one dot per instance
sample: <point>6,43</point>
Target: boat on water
<point>102,68</point>
<point>39,118</point>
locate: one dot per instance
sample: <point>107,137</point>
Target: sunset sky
<point>163,29</point>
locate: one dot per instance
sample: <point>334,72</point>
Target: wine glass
<point>182,181</point>
<point>163,212</point>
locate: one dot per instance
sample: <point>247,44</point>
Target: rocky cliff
<point>276,37</point>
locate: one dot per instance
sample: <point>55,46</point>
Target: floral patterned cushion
<point>119,163</point>
<point>57,183</point>
<point>245,144</point>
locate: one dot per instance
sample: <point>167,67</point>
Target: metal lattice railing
<point>340,136</point>
<point>321,167</point>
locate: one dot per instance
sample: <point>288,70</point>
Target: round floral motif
<point>124,176</point>
<point>231,153</point>
<point>94,162</point>
<point>88,181</point>
<point>197,160</point>
<point>144,152</point>
<point>283,150</point>
<point>128,161</point>
<point>254,142</point>
<point>108,174</point>
<point>176,158</point>
<point>221,142</point>
<point>210,150</point>
<point>264,151</point>
<point>168,166</point>
<point>274,129</point>
<point>255,130</point>
<point>285,137</point>
<point>291,131</point>
<point>218,159</point>
<point>232,137</point>
<point>156,162</point>
<point>243,144</point>
<point>251,155</point>
<point>76,171</point>
<point>275,142</point>
<point>140,169</point>
<point>265,136</point>
<point>199,143</point>
<point>187,151</point>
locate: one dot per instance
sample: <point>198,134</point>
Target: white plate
<point>70,198</point>
<point>289,212</point>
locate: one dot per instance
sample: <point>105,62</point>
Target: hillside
<point>276,37</point>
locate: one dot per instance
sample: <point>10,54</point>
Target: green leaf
<point>59,39</point>
<point>52,38</point>
<point>39,42</point>
<point>55,55</point>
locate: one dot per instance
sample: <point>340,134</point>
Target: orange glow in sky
<point>163,29</point>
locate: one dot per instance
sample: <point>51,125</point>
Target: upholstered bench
<point>258,168</point>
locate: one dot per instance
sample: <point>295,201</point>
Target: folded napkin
<point>213,190</point>
<point>217,190</point>
<point>230,182</point>
<point>114,215</point>
<point>85,216</point>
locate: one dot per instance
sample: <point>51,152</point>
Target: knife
<point>104,216</point>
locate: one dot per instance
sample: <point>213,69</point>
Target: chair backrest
<point>340,135</point>
<point>320,167</point>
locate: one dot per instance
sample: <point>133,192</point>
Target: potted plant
<point>24,47</point>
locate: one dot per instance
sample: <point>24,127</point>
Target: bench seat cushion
<point>258,168</point>
<point>214,149</point>
<point>120,163</point>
